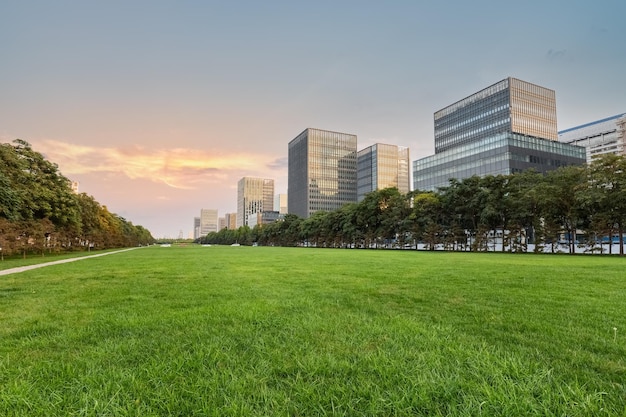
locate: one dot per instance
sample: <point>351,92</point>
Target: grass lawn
<point>255,331</point>
<point>18,260</point>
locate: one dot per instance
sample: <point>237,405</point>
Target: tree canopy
<point>570,206</point>
<point>40,212</point>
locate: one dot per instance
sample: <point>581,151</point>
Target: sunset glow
<point>158,108</point>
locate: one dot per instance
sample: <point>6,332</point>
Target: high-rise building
<point>280,203</point>
<point>506,128</point>
<point>196,228</point>
<point>322,171</point>
<point>231,220</point>
<point>253,195</point>
<point>599,137</point>
<point>208,221</point>
<point>382,166</point>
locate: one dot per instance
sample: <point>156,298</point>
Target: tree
<point>607,187</point>
<point>312,228</point>
<point>44,191</point>
<point>562,193</point>
<point>525,216</point>
<point>464,202</point>
<point>426,218</point>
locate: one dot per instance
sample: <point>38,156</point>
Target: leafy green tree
<point>496,213</point>
<point>312,228</point>
<point>9,200</point>
<point>464,202</point>
<point>426,218</point>
<point>525,223</point>
<point>562,193</point>
<point>46,193</point>
<point>291,230</point>
<point>607,187</point>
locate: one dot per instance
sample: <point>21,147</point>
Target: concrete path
<point>62,261</point>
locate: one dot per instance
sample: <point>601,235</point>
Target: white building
<point>208,221</point>
<point>599,137</point>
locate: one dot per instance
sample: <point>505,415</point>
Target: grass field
<point>34,259</point>
<point>254,331</point>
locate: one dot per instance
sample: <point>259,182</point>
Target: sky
<point>157,108</point>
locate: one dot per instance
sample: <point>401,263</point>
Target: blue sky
<point>158,108</point>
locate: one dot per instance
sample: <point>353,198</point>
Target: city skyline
<point>157,109</point>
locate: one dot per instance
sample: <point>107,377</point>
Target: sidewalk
<point>62,261</point>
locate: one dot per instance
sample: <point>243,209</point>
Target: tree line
<point>39,211</point>
<point>573,205</point>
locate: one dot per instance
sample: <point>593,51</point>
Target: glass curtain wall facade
<point>208,221</point>
<point>505,128</point>
<point>510,105</point>
<point>321,172</point>
<point>504,154</point>
<point>253,195</point>
<point>599,137</point>
<point>382,166</point>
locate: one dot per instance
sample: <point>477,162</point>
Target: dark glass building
<point>506,128</point>
<point>321,172</point>
<point>382,166</point>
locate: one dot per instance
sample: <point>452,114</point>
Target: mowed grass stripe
<point>290,331</point>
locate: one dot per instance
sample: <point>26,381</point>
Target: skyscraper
<point>322,171</point>
<point>196,227</point>
<point>382,166</point>
<point>253,196</point>
<point>208,221</point>
<point>505,128</point>
<point>231,220</point>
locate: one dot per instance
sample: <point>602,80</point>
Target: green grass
<point>17,260</point>
<point>240,331</point>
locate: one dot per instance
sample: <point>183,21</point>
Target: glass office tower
<point>506,128</point>
<point>253,196</point>
<point>321,172</point>
<point>382,166</point>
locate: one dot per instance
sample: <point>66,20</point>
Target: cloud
<point>553,54</point>
<point>178,167</point>
<point>278,163</point>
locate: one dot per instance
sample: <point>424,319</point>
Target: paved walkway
<point>62,261</point>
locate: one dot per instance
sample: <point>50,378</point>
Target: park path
<point>62,261</point>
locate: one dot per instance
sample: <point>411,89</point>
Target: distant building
<point>196,227</point>
<point>208,221</point>
<point>505,128</point>
<point>321,171</point>
<point>231,220</point>
<point>263,217</point>
<point>280,203</point>
<point>382,166</point>
<point>253,195</point>
<point>599,137</point>
<point>75,186</point>
<point>221,223</point>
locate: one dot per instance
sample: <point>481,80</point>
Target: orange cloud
<point>178,167</point>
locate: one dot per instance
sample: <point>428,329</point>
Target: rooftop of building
<point>617,116</point>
